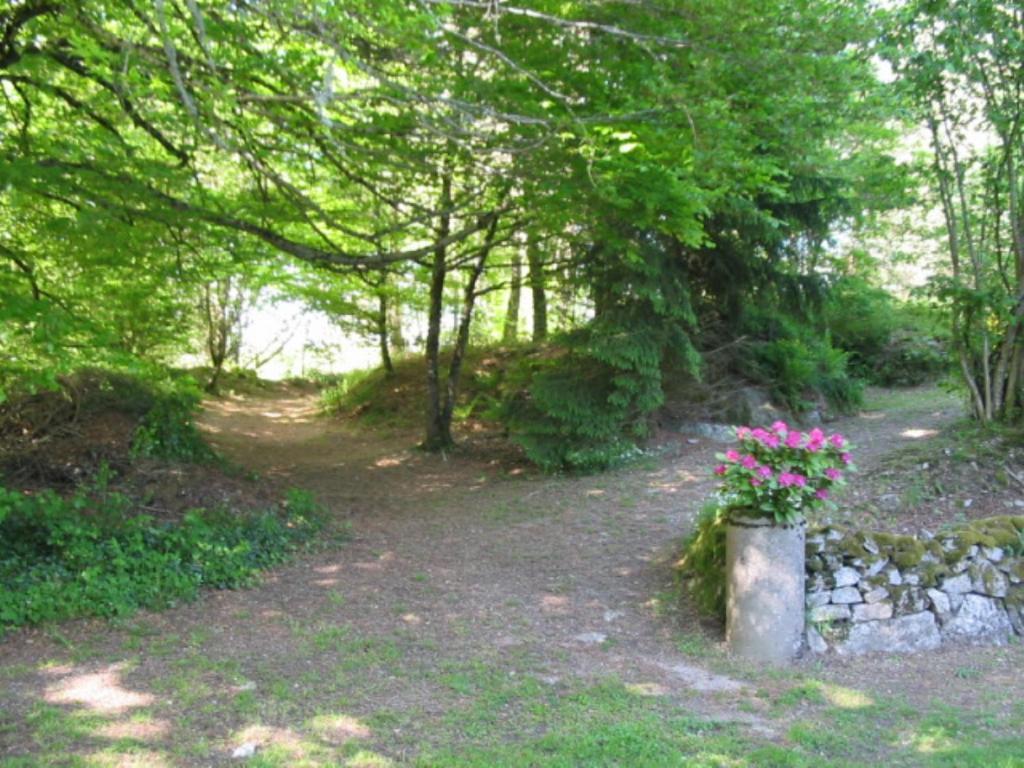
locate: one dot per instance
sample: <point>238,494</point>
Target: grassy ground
<point>484,616</point>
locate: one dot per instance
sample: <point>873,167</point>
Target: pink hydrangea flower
<point>771,441</point>
<point>720,469</point>
<point>732,455</point>
<point>756,481</point>
<point>742,432</point>
<point>799,480</point>
<point>833,474</point>
<point>787,479</point>
<point>821,493</point>
<point>780,426</point>
<point>847,458</point>
<point>749,462</point>
<point>793,439</point>
<point>837,440</point>
<point>764,471</point>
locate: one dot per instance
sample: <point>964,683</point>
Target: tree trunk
<point>382,334</point>
<point>510,333</point>
<point>462,338</point>
<point>215,308</point>
<point>439,435</point>
<point>396,338</point>
<point>538,289</point>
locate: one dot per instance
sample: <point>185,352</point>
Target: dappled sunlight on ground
<point>846,698</point>
<point>339,729</point>
<point>918,433</point>
<point>99,691</point>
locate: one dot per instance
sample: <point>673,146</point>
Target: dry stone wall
<point>882,592</point>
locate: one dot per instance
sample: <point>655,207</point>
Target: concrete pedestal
<point>764,564</point>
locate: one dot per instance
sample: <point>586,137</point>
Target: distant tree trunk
<point>510,333</point>
<point>439,434</point>
<point>539,291</point>
<point>394,320</point>
<point>462,338</point>
<point>382,334</point>
<point>222,311</point>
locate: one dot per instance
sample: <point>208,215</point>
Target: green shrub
<point>564,414</point>
<point>889,342</point>
<point>795,368</point>
<point>702,563</point>
<point>87,555</point>
<point>168,430</point>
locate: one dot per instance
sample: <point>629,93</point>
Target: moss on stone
<point>908,553</point>
<point>931,573</point>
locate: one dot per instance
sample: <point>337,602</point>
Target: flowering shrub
<point>780,472</point>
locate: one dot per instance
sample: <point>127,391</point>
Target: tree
<point>959,67</point>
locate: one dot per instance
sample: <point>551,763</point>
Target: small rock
<point>814,599</point>
<point>876,595</point>
<point>611,616</point>
<point>986,579</point>
<point>815,642</point>
<point>940,602</point>
<point>1019,503</point>
<point>872,612</point>
<point>591,638</point>
<point>876,567</point>
<point>889,502</point>
<point>925,535</point>
<point>847,577</point>
<point>913,579</point>
<point>870,546</point>
<point>995,554</point>
<point>957,585</point>
<point>968,503</point>
<point>895,578</point>
<point>846,596</point>
<point>830,613</point>
<point>911,601</point>
<point>833,535</point>
<point>245,750</point>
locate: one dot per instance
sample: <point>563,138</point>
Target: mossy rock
<point>932,573</point>
<point>1015,597</point>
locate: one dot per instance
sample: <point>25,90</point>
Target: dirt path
<point>467,589</point>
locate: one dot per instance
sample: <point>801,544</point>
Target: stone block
<point>916,632</point>
<point>847,577</point>
<point>986,579</point>
<point>957,585</point>
<point>979,620</point>
<point>814,599</point>
<point>876,595</point>
<point>830,613</point>
<point>940,602</point>
<point>872,611</point>
<point>846,596</point>
<point>815,642</point>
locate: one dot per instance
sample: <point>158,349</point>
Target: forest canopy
<point>680,191</point>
